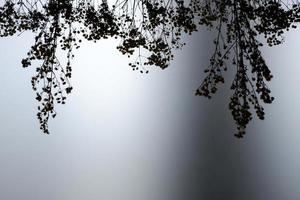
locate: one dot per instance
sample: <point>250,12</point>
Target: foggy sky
<point>128,136</point>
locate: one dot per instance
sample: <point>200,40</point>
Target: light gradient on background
<point>128,136</point>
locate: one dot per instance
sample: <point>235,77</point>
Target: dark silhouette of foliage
<point>150,30</point>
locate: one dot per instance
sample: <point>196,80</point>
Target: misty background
<point>128,136</point>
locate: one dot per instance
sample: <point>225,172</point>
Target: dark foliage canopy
<point>149,30</point>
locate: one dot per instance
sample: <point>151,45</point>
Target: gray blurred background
<point>128,136</point>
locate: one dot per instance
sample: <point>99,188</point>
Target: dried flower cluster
<point>239,23</point>
<point>150,30</point>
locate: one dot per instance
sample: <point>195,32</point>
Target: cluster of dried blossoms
<point>239,23</point>
<point>150,30</point>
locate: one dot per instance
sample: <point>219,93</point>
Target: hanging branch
<point>149,31</point>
